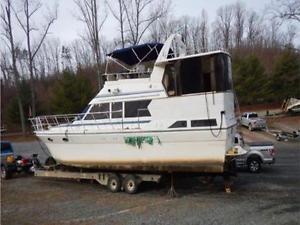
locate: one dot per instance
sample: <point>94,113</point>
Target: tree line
<point>39,75</point>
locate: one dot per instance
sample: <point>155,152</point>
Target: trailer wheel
<point>50,161</point>
<point>114,183</point>
<point>130,184</point>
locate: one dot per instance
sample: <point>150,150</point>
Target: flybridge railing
<point>71,121</point>
<point>128,75</point>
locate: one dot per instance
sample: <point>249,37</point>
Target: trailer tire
<point>50,161</point>
<point>114,183</point>
<point>130,184</point>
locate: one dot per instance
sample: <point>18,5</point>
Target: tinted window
<point>116,110</point>
<point>137,108</point>
<point>98,111</point>
<point>253,115</point>
<point>6,148</point>
<point>203,123</point>
<point>198,74</point>
<point>236,140</point>
<point>178,124</point>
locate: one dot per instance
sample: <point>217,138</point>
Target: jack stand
<point>172,193</point>
<point>227,184</point>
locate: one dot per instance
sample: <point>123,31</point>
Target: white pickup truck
<point>254,154</point>
<point>252,121</point>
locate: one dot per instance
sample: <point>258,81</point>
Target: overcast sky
<point>67,27</point>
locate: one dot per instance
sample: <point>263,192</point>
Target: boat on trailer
<point>160,110</point>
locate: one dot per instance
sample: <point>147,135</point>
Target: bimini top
<point>138,53</point>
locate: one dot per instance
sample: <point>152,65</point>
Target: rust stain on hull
<point>182,166</point>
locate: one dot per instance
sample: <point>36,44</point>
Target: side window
<point>236,140</point>
<point>98,111</point>
<point>137,108</point>
<point>203,123</point>
<point>180,123</point>
<point>6,148</point>
<point>116,110</point>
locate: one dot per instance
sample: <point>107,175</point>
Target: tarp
<point>133,55</point>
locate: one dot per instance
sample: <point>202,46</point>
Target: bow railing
<point>72,121</point>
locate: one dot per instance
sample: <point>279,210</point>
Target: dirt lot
<point>271,197</point>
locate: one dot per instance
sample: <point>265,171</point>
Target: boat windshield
<point>198,74</point>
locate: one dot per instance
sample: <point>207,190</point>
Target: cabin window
<point>203,123</point>
<point>177,124</point>
<point>137,108</point>
<point>198,74</point>
<point>98,111</point>
<point>116,110</point>
<point>236,140</point>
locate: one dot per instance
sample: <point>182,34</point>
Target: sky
<point>67,28</point>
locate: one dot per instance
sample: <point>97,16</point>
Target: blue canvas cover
<point>133,55</point>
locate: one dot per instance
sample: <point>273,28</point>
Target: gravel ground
<point>271,197</point>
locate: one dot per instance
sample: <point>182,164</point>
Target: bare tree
<point>22,62</point>
<point>119,15</point>
<point>286,9</point>
<point>274,28</point>
<point>29,10</point>
<point>162,28</point>
<point>53,48</point>
<point>66,58</point>
<point>204,30</point>
<point>224,24</point>
<point>81,54</point>
<point>195,34</point>
<point>8,35</point>
<point>185,30</point>
<point>140,14</point>
<point>239,23</point>
<point>253,28</point>
<point>290,34</point>
<point>216,37</point>
<point>90,16</point>
<point>4,65</point>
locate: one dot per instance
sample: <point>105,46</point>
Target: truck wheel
<point>130,184</point>
<point>254,165</point>
<point>250,127</point>
<point>278,138</point>
<point>5,174</point>
<point>114,183</point>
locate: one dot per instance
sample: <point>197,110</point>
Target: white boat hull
<point>188,151</point>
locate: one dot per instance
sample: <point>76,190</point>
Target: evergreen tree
<point>71,93</point>
<point>285,81</point>
<point>249,79</point>
<point>12,110</point>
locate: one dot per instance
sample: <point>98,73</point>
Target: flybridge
<point>132,62</point>
<point>138,61</point>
